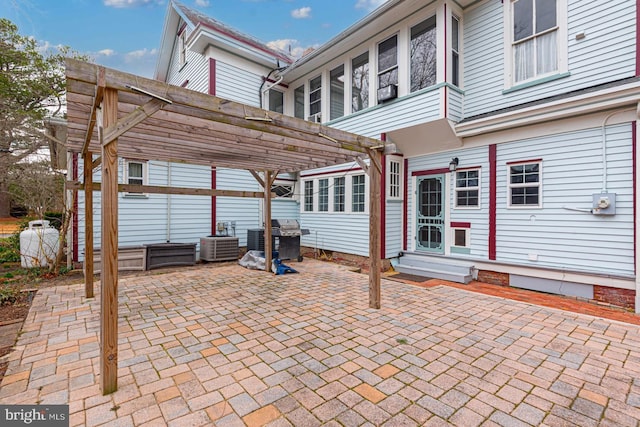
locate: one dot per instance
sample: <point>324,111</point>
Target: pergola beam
<point>131,120</point>
<point>155,189</point>
<point>97,100</point>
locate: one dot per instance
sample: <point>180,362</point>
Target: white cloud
<point>106,52</point>
<point>303,12</point>
<point>203,3</point>
<point>140,54</point>
<point>130,3</point>
<point>369,4</point>
<point>291,46</point>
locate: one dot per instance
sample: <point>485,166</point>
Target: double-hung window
<point>135,173</point>
<point>467,188</point>
<point>388,62</point>
<point>182,46</point>
<point>455,50</point>
<point>276,101</point>
<point>357,193</point>
<point>336,93</point>
<point>525,184</point>
<point>298,102</point>
<point>360,82</point>
<point>315,98</point>
<point>535,38</point>
<point>423,54</point>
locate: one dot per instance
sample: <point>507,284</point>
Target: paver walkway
<point>228,346</point>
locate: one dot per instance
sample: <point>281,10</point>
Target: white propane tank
<point>38,244</point>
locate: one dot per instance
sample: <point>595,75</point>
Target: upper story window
<point>467,188</point>
<point>276,101</point>
<point>360,82</point>
<point>298,102</point>
<point>525,184</point>
<point>423,54</point>
<point>535,38</point>
<point>315,98</point>
<point>308,196</point>
<point>388,62</point>
<point>336,93</point>
<point>455,51</point>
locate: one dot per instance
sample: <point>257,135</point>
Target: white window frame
<point>394,190</point>
<point>511,186</point>
<point>509,50</point>
<point>457,189</point>
<point>126,177</point>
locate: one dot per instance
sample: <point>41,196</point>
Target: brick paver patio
<point>228,346</point>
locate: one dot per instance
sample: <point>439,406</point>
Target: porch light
<point>453,164</point>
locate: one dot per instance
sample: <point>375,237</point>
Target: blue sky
<point>125,34</point>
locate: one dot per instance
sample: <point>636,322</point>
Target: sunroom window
<point>315,99</point>
<point>388,62</point>
<point>360,82</point>
<point>423,54</point>
<point>336,93</point>
<point>308,196</point>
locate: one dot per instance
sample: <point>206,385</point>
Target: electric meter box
<point>604,204</point>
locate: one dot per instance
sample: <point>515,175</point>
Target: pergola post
<point>268,247</point>
<point>374,171</point>
<point>88,224</point>
<point>109,253</point>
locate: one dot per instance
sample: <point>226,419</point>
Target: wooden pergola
<point>114,114</point>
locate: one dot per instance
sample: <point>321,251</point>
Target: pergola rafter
<point>116,114</point>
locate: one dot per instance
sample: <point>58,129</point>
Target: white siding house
<point>510,150</point>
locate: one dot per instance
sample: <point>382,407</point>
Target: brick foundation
<point>359,261</point>
<point>493,277</point>
<point>625,298</point>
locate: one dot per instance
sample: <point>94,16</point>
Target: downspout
<point>604,146</point>
<point>168,203</point>
<point>263,89</point>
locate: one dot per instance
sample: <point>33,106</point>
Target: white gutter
<point>591,102</point>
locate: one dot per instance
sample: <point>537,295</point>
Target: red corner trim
<point>634,145</point>
<point>493,163</point>
<point>405,206</point>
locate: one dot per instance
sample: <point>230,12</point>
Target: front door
<point>430,215</point>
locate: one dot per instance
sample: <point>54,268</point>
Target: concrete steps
<point>435,267</point>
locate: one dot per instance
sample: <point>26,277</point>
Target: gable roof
<point>205,31</point>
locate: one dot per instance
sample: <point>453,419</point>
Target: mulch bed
<point>11,314</point>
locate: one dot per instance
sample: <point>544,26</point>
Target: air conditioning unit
<point>387,93</point>
<point>315,118</point>
<point>219,248</point>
